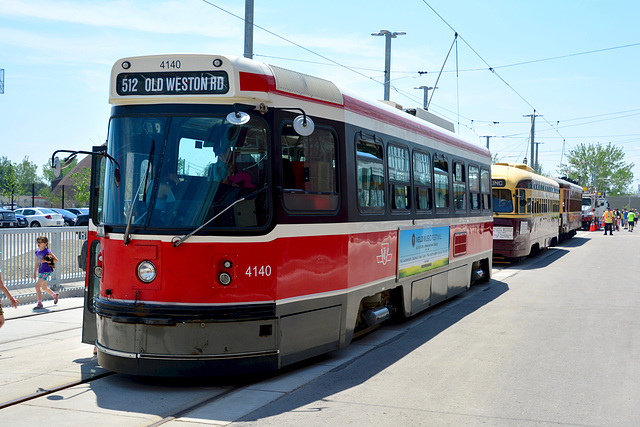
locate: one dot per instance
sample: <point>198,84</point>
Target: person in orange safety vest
<point>608,221</point>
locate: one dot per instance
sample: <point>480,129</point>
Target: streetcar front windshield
<point>502,202</point>
<point>181,171</point>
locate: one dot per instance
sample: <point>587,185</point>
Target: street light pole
<point>248,29</point>
<point>388,35</point>
<point>536,164</point>
<point>533,133</point>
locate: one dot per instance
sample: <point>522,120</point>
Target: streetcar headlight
<point>147,271</point>
<point>224,279</point>
<point>98,272</point>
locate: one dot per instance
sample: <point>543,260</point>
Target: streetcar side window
<point>485,188</point>
<point>422,180</point>
<point>502,202</point>
<point>441,181</point>
<point>399,176</point>
<point>309,169</point>
<point>370,175</point>
<point>474,187</point>
<point>521,201</point>
<point>459,187</point>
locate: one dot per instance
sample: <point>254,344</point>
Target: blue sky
<point>57,56</point>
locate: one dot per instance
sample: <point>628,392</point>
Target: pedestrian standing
<point>14,302</point>
<point>608,221</point>
<point>624,218</point>
<point>632,219</point>
<point>45,263</point>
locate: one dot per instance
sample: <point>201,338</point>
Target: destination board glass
<point>180,83</point>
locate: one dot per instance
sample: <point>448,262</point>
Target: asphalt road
<point>553,341</point>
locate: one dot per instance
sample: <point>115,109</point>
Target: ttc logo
<point>385,256</point>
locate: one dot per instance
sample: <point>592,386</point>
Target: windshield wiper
<point>127,231</point>
<point>248,196</point>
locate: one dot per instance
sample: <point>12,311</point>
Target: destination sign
<point>498,183</point>
<point>176,83</point>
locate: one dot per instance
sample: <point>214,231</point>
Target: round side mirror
<point>238,117</point>
<point>116,176</point>
<point>304,126</point>
<point>56,167</point>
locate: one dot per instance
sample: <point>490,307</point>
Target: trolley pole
<point>248,29</point>
<point>426,89</point>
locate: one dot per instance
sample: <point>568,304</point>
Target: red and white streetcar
<point>245,217</point>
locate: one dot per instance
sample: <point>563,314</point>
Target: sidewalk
<point>27,296</point>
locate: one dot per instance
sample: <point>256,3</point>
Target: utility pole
<point>248,29</point>
<point>388,35</point>
<point>533,134</point>
<point>425,103</point>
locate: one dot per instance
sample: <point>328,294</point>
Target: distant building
<point>63,188</point>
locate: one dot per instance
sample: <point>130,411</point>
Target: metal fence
<point>18,260</point>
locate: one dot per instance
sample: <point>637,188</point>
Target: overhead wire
<point>457,35</point>
<point>288,41</point>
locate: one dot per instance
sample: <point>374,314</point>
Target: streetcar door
<point>91,248</point>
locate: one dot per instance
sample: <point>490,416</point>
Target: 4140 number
<point>258,271</point>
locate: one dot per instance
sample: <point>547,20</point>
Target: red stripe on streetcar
<point>257,82</point>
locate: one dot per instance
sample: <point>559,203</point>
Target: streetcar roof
<point>566,184</point>
<point>251,82</point>
<point>514,173</point>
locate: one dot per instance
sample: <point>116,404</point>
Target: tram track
<point>24,316</point>
<point>182,412</point>
<point>41,393</point>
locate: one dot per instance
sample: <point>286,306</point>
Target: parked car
<point>68,216</point>
<point>22,221</point>
<point>82,220</point>
<point>8,218</point>
<point>41,217</point>
<point>79,211</point>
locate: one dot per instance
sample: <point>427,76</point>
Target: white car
<point>41,217</point>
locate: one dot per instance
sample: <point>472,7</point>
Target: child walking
<point>14,302</point>
<point>45,260</point>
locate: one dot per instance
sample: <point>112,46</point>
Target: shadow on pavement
<point>383,356</point>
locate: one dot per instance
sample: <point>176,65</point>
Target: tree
<point>47,171</point>
<point>9,185</point>
<point>82,180</point>
<point>602,165</point>
<point>27,175</point>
